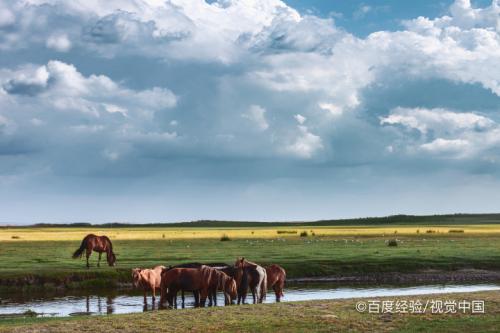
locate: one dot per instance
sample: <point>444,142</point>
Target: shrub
<point>303,234</point>
<point>294,232</point>
<point>430,231</point>
<point>461,231</point>
<point>15,237</point>
<point>225,238</point>
<point>30,313</point>
<point>392,242</point>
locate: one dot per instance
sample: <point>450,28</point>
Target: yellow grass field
<point>137,233</point>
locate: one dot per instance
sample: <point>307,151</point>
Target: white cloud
<point>436,120</point>
<point>455,134</point>
<point>7,18</point>
<point>333,109</point>
<point>257,115</point>
<point>300,119</point>
<point>59,42</point>
<point>446,146</point>
<point>277,55</point>
<point>305,144</point>
<point>362,11</point>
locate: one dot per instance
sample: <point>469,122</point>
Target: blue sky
<point>148,111</point>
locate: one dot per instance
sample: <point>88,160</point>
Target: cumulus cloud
<point>436,120</point>
<point>141,86</point>
<point>60,102</point>
<point>59,42</point>
<point>306,144</point>
<point>458,134</point>
<point>257,115</point>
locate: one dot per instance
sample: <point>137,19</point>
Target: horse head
<point>240,262</point>
<point>111,257</point>
<point>136,276</point>
<point>231,289</point>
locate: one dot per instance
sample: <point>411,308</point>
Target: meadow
<point>310,316</point>
<point>42,256</point>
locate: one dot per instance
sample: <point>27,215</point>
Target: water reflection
<point>61,304</point>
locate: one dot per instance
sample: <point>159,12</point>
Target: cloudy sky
<point>167,110</point>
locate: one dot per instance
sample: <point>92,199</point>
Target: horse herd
<point>203,280</point>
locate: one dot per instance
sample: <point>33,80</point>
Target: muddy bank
<point>427,276</point>
<point>121,279</point>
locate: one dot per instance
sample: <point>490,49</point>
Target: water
<point>128,302</point>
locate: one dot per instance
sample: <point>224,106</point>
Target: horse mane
<point>106,238</point>
<point>247,263</point>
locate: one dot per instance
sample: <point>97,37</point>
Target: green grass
<point>311,316</point>
<point>50,263</point>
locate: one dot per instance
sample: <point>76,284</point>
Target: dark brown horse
<point>250,275</point>
<point>183,279</point>
<point>196,293</point>
<point>276,277</point>
<point>99,244</point>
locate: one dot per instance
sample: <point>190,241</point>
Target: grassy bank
<point>317,316</point>
<point>43,256</point>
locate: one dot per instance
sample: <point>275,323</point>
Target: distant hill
<point>449,219</point>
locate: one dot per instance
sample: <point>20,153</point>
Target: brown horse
<point>250,275</point>
<point>276,277</point>
<point>219,281</point>
<point>99,244</point>
<point>148,280</point>
<point>184,279</point>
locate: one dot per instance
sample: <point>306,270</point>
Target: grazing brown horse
<point>276,277</point>
<point>99,244</point>
<point>148,280</point>
<point>250,275</point>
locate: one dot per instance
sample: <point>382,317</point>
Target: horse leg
<point>214,296</point>
<point>203,297</point>
<point>210,298</point>
<point>99,261</point>
<point>154,294</point>
<point>253,295</point>
<point>87,255</point>
<point>244,297</point>
<point>183,299</point>
<point>196,296</point>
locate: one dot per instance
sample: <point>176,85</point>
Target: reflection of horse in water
<point>109,304</point>
<point>99,244</point>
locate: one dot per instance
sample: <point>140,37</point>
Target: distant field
<point>43,255</point>
<point>169,233</point>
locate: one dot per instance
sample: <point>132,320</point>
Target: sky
<point>177,110</point>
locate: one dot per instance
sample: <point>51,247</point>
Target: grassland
<point>42,256</point>
<point>317,316</point>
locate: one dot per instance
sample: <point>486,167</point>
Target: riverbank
<point>317,316</point>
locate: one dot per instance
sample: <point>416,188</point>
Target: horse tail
<point>78,253</point>
<point>263,287</point>
<point>282,284</point>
